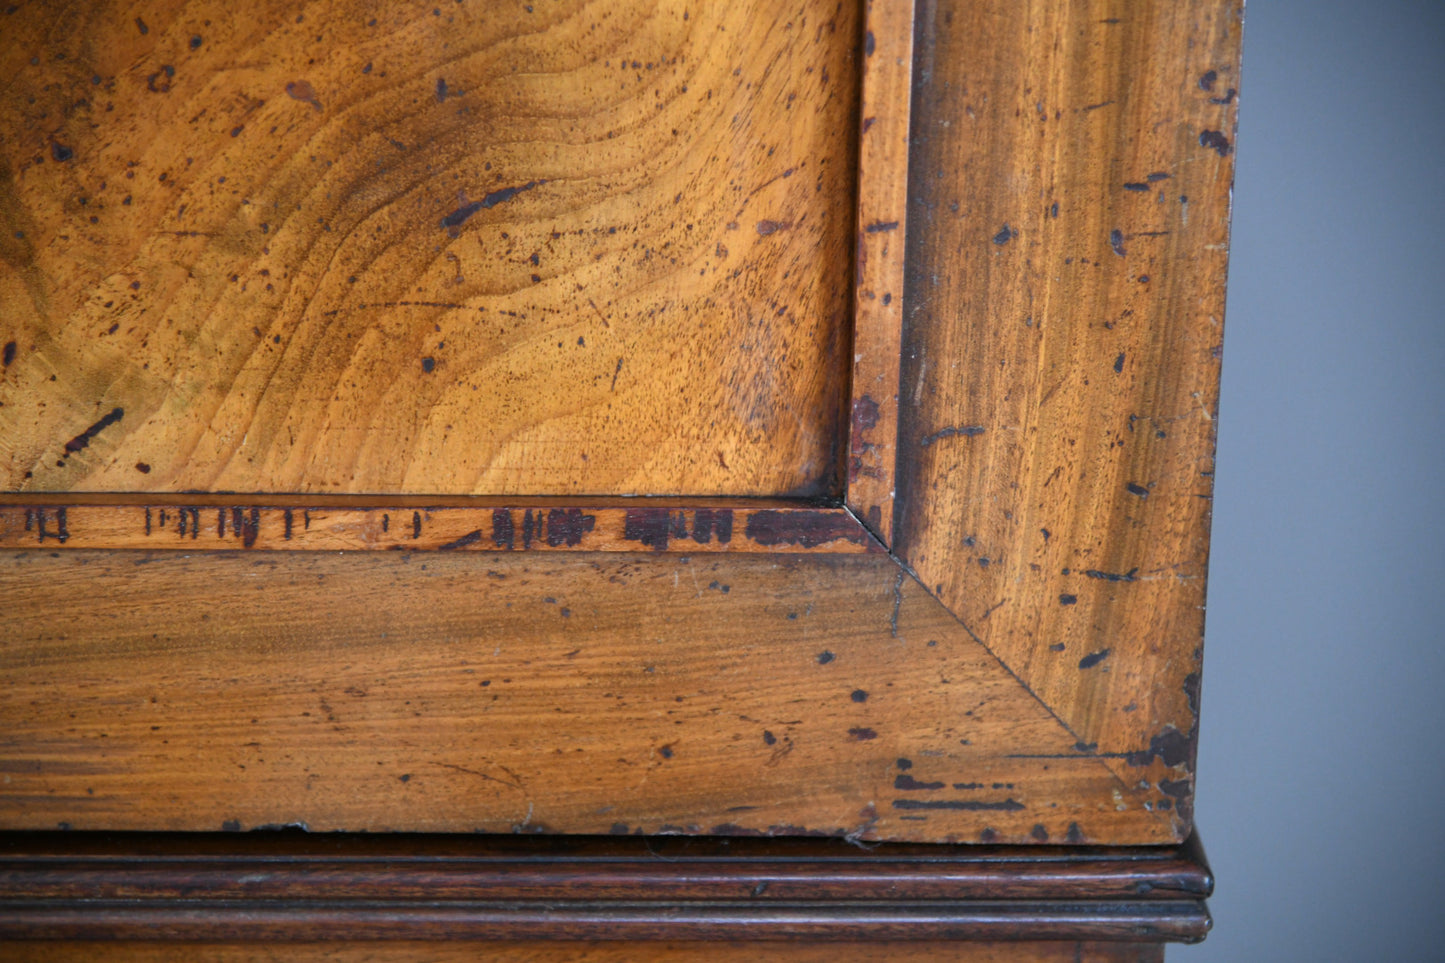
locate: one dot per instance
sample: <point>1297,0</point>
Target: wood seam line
<point>1159,816</point>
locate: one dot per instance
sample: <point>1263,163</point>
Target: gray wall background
<point>1320,772</point>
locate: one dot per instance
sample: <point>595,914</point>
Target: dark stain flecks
<point>1215,141</point>
<point>441,90</point>
<point>566,526</point>
<point>1226,100</point>
<point>768,738</point>
<point>1136,489</point>
<point>1039,833</point>
<point>36,518</point>
<point>709,521</point>
<point>1093,659</point>
<point>1129,576</point>
<point>1004,235</point>
<point>825,657</point>
<point>859,695</point>
<point>654,527</point>
<point>908,783</point>
<point>303,91</point>
<point>1067,599</point>
<point>772,227</point>
<point>966,805</point>
<point>428,364</point>
<point>865,418</point>
<point>1116,241</point>
<point>143,468</point>
<point>862,734</point>
<point>869,44</point>
<point>1136,186</point>
<point>965,431</point>
<point>60,152</point>
<point>1170,747</point>
<point>9,353</point>
<point>250,524</point>
<point>1119,363</point>
<point>504,532</point>
<point>1074,834</point>
<point>808,529</point>
<point>81,440</point>
<point>1207,79</point>
<point>1178,788</point>
<point>459,216</point>
<point>878,227</point>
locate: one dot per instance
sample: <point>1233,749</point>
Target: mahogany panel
<point>573,247</point>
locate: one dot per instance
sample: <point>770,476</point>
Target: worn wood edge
<point>884,116</point>
<point>284,523</point>
<point>301,887</point>
<point>271,865</point>
<point>1185,921</point>
<point>558,951</point>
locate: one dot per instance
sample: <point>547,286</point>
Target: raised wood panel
<point>503,248</point>
<point>1067,247</point>
<point>574,693</point>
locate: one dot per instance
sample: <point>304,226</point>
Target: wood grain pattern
<point>568,693</point>
<point>217,522</point>
<point>504,248</point>
<point>1071,170</point>
<point>614,952</point>
<point>882,227</point>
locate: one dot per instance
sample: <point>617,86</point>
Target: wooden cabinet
<point>785,425</point>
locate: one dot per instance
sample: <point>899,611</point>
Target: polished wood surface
<point>499,248</point>
<point>567,693</point>
<point>1067,247</point>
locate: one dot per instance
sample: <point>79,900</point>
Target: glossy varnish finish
<point>553,248</point>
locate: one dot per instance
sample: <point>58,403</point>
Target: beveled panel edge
<point>360,523</point>
<point>882,216</point>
